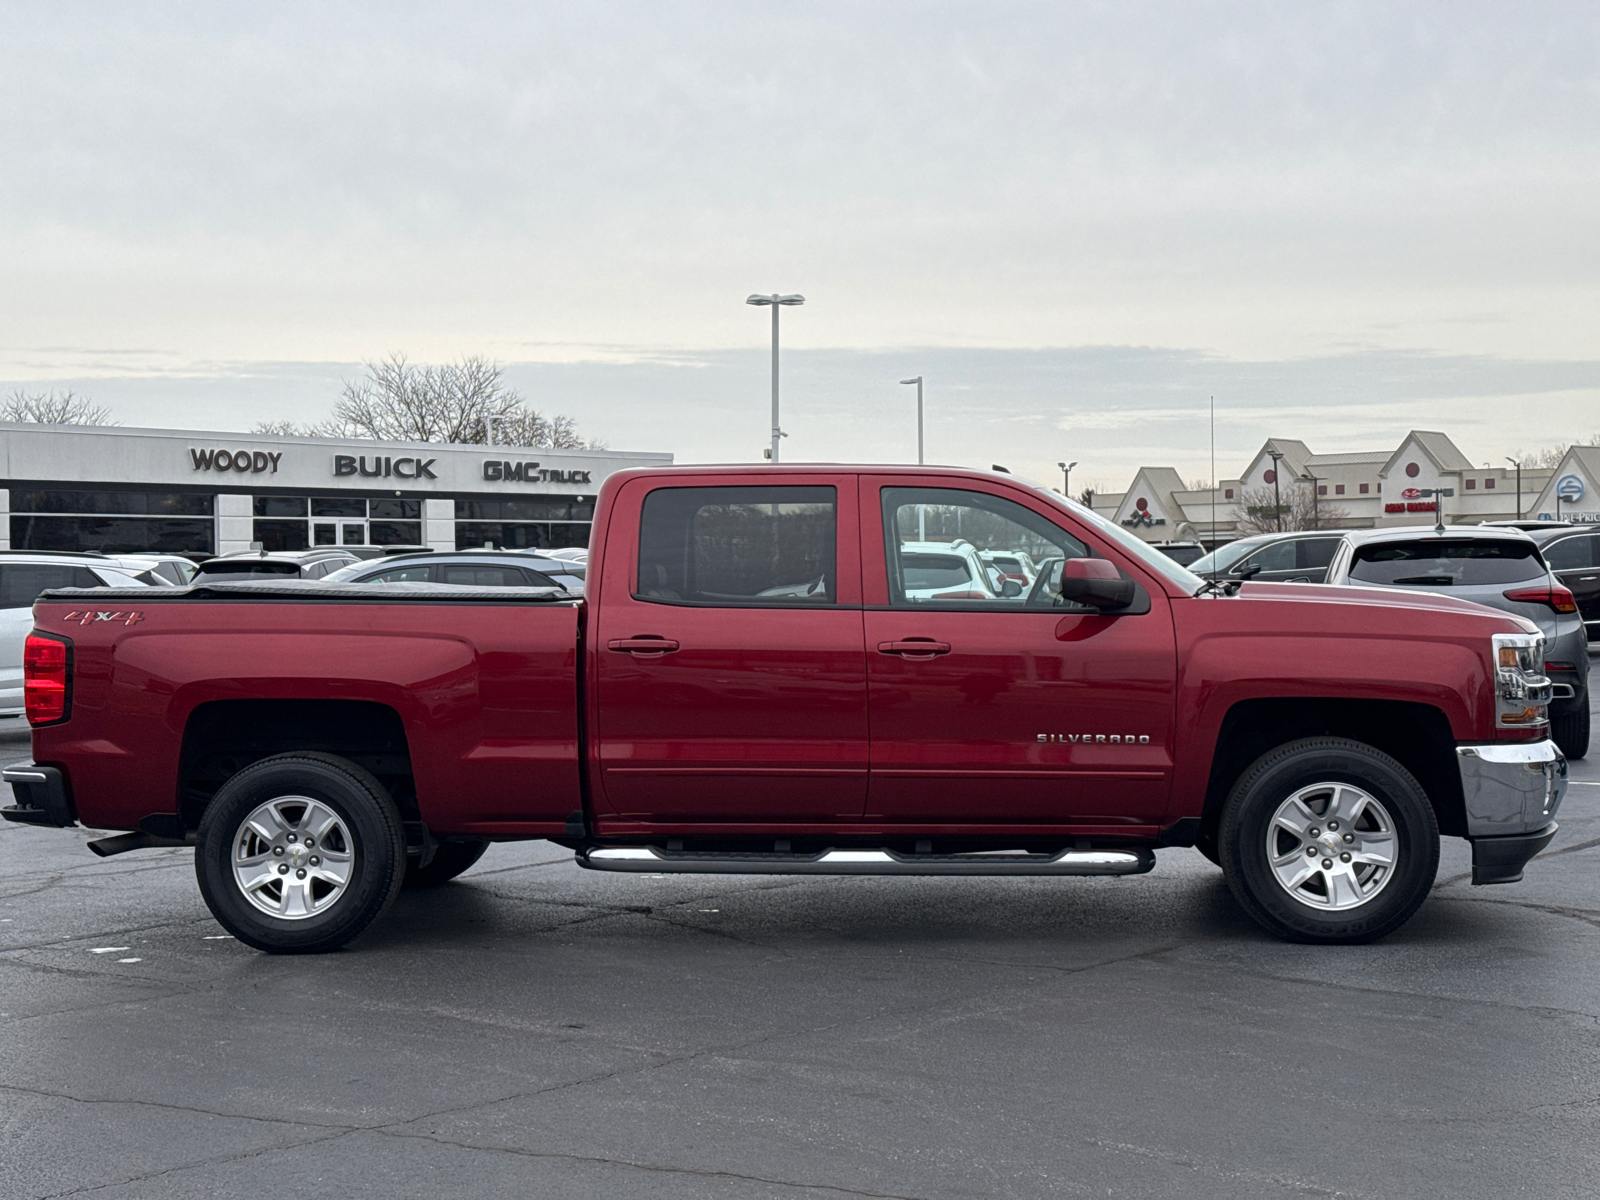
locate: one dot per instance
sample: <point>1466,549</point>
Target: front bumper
<point>1511,791</point>
<point>42,796</point>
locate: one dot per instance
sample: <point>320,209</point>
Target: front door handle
<point>647,647</point>
<point>915,648</point>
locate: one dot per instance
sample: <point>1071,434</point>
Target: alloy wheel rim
<point>293,857</point>
<point>1332,846</point>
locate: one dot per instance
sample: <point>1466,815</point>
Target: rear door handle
<point>915,648</point>
<point>650,647</point>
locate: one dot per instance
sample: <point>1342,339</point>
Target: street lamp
<point>1277,502</point>
<point>1517,463</point>
<point>918,382</point>
<point>1316,513</point>
<point>1066,478</point>
<point>776,301</point>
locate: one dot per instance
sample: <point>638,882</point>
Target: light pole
<point>775,301</point>
<point>1517,463</point>
<point>1066,478</point>
<point>918,382</point>
<point>1316,513</point>
<point>1277,502</point>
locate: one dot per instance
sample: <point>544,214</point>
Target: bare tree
<point>400,401</point>
<point>281,428</point>
<point>53,408</point>
<point>1255,511</point>
<point>1549,457</point>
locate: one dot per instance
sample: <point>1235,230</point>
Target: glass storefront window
<point>280,506</point>
<point>396,510</point>
<point>520,535</point>
<point>281,535</point>
<point>155,504</point>
<point>338,506</point>
<point>530,508</point>
<point>114,535</point>
<point>394,533</point>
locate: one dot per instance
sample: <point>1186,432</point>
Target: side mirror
<point>1095,582</point>
<point>1010,589</point>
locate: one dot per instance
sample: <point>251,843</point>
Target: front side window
<point>1274,556</point>
<point>413,574</point>
<point>739,545</point>
<point>947,545</point>
<point>1446,563</point>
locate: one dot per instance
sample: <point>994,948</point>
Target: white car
<point>172,568</point>
<point>26,573</point>
<point>1012,564</point>
<point>946,571</point>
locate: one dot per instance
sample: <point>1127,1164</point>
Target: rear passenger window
<point>483,576</point>
<point>1570,553</point>
<point>21,583</point>
<point>1317,553</point>
<point>739,545</point>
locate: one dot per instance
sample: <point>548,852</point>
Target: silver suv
<point>26,573</point>
<point>1498,567</point>
<point>478,568</point>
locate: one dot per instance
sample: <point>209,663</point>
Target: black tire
<point>367,838</point>
<point>449,860</point>
<point>1570,730</point>
<point>1300,768</point>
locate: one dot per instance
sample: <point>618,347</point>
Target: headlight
<point>1522,693</point>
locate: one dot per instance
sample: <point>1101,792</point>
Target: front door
<point>1018,709</point>
<point>730,684</point>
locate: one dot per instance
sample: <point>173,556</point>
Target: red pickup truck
<point>799,669</point>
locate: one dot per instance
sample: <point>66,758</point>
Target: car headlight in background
<point>1522,692</point>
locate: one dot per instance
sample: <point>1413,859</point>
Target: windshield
<point>1147,554</point>
<point>1223,557</point>
<point>1459,563</point>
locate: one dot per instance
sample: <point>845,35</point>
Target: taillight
<point>46,678</point>
<point>1556,596</point>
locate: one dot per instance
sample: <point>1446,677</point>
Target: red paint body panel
<point>769,721</point>
<point>487,695</point>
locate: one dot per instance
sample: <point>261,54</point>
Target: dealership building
<point>87,488</point>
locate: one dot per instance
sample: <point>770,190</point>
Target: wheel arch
<point>1416,735</point>
<point>222,737</point>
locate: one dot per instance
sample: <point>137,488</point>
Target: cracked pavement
<point>534,1029</point>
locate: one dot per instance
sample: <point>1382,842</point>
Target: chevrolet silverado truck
<point>758,681</point>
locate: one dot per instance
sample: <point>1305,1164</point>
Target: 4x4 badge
<point>87,617</point>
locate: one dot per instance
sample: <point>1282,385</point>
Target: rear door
<point>1575,559</point>
<point>1011,710</point>
<point>730,687</point>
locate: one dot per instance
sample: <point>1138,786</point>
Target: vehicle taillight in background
<point>46,678</point>
<point>1556,596</point>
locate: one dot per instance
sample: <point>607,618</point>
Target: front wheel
<point>299,853</point>
<point>1329,840</point>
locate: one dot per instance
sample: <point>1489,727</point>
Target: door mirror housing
<point>1010,589</point>
<point>1095,582</point>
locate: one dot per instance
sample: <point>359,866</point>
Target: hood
<point>1380,598</point>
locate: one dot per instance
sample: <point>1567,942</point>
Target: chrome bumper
<point>1511,787</point>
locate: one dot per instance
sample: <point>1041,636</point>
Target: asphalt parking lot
<point>537,1030</point>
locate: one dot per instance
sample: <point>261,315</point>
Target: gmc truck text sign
<point>530,472</point>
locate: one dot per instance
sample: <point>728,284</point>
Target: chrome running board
<point>649,859</point>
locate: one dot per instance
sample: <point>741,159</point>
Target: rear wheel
<point>1329,840</point>
<point>299,853</point>
<point>449,860</point>
<point>1570,730</point>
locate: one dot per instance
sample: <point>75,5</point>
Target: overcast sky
<point>1076,220</point>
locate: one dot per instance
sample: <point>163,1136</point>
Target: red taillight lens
<point>45,678</point>
<point>1557,597</point>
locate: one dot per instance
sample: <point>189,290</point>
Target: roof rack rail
<point>64,553</point>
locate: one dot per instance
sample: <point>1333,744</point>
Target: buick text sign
<point>384,467</point>
<point>529,472</point>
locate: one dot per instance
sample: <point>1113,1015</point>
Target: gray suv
<point>1498,567</point>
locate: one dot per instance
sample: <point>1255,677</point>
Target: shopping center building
<point>73,487</point>
<point>1424,479</point>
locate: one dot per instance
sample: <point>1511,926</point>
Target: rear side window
<point>484,575</point>
<point>1274,556</point>
<point>1447,563</point>
<point>739,545</point>
<point>1317,553</point>
<point>21,583</point>
<point>1570,553</point>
